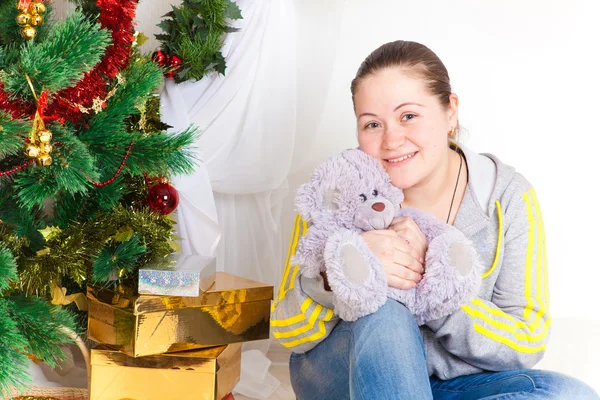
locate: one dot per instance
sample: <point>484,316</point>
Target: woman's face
<point>402,125</point>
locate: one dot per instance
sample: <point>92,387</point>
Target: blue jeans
<point>365,360</point>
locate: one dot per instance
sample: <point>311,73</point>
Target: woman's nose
<point>393,138</point>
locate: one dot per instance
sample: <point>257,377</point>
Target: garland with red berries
<point>192,38</point>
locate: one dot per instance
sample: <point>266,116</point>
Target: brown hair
<point>418,60</point>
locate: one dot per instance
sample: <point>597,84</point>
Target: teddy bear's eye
<point>375,192</point>
<point>363,198</point>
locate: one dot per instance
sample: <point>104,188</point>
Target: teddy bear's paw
<point>452,277</point>
<point>355,275</point>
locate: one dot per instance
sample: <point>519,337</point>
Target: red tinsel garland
<point>116,16</point>
<point>16,108</point>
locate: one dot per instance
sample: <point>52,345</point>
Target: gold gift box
<point>233,310</point>
<point>208,374</point>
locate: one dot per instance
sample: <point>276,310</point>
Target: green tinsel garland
<point>195,32</point>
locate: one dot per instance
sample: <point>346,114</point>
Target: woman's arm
<point>510,331</point>
<point>302,312</point>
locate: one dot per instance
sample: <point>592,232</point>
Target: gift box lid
<point>209,360</point>
<point>227,289</point>
<point>178,275</point>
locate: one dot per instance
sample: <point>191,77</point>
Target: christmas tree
<point>80,142</point>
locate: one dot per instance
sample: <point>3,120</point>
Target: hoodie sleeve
<point>302,313</point>
<point>511,330</point>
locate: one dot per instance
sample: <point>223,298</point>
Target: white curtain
<point>247,119</point>
<point>251,132</point>
<point>257,123</point>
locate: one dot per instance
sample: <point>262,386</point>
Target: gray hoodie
<point>505,327</point>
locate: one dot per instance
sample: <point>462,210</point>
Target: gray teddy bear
<point>351,193</point>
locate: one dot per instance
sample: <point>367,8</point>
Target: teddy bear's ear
<point>330,199</point>
<point>312,198</point>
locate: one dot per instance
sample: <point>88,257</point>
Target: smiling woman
<point>407,118</point>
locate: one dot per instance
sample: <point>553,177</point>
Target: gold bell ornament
<point>30,16</point>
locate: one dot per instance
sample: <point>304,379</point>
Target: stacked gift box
<point>177,334</point>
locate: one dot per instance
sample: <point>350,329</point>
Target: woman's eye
<point>405,117</point>
<point>372,125</point>
<point>363,198</point>
<point>375,192</point>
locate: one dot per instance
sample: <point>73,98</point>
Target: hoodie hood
<point>488,178</point>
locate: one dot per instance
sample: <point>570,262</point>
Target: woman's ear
<point>453,110</point>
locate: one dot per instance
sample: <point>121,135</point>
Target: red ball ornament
<point>175,61</point>
<point>159,57</point>
<point>162,198</point>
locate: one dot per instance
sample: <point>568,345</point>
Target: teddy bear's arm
<point>309,252</point>
<point>355,274</point>
<point>452,268</point>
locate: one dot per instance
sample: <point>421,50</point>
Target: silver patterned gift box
<point>178,275</point>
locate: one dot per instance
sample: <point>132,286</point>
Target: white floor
<point>574,349</point>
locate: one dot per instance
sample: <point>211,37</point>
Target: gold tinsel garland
<point>34,398</point>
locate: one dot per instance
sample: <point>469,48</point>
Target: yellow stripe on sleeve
<point>542,267</point>
<point>513,345</point>
<point>528,261</point>
<point>315,336</point>
<point>295,319</point>
<point>291,252</point>
<point>511,325</point>
<point>303,329</point>
<point>510,328</point>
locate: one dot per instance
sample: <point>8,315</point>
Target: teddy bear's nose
<point>379,207</point>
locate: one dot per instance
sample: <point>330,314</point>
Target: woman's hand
<point>401,262</point>
<point>408,230</point>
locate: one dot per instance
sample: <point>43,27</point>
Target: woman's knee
<point>392,315</point>
<point>561,386</point>
<point>392,326</point>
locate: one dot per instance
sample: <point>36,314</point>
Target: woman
<point>407,118</point>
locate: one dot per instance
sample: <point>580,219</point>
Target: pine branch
<point>85,206</point>
<point>14,364</point>
<point>72,48</point>
<point>163,154</point>
<point>8,54</point>
<point>116,257</point>
<point>12,135</point>
<point>71,171</point>
<point>107,136</point>
<point>8,267</point>
<point>42,326</point>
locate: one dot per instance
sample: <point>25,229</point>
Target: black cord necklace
<point>455,187</point>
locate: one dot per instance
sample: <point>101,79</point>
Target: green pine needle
<point>163,152</point>
<point>42,326</point>
<point>8,267</point>
<point>14,364</point>
<point>71,169</point>
<point>116,257</point>
<point>12,135</point>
